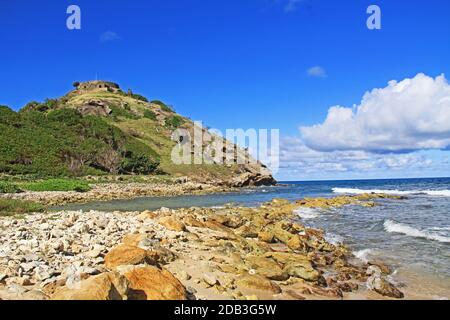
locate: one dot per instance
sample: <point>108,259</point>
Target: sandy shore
<point>194,253</point>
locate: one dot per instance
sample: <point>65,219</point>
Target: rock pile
<point>195,253</point>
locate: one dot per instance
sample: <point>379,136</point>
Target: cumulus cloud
<point>413,114</point>
<point>109,36</point>
<point>296,156</point>
<point>316,71</point>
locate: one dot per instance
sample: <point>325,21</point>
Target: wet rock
<point>379,284</point>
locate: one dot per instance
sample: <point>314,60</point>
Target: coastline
<point>202,253</point>
<point>119,191</point>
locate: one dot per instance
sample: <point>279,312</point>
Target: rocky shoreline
<point>192,253</point>
<point>113,191</point>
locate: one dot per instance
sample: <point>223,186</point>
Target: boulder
<point>152,283</point>
<point>267,268</point>
<point>297,243</point>
<point>172,223</point>
<point>258,282</point>
<point>380,285</point>
<point>125,255</point>
<point>105,286</point>
<point>266,237</point>
<point>302,270</point>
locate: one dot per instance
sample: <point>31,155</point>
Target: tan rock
<point>258,282</point>
<point>147,215</point>
<point>266,236</point>
<point>297,243</point>
<point>125,255</point>
<point>380,285</point>
<point>267,268</point>
<point>133,239</point>
<point>105,286</point>
<point>302,270</point>
<point>172,223</point>
<point>151,283</point>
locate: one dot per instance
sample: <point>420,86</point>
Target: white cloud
<point>108,36</point>
<point>413,114</point>
<point>291,5</point>
<point>296,156</point>
<point>316,71</point>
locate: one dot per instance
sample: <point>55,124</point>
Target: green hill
<point>98,129</point>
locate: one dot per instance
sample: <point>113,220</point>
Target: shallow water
<point>413,235</point>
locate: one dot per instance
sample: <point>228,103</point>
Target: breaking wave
<point>438,193</point>
<point>363,255</point>
<point>307,213</point>
<point>395,227</point>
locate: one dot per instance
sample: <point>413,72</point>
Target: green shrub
<point>117,111</point>
<point>149,114</point>
<point>138,164</point>
<point>10,207</point>
<point>139,97</point>
<point>174,122</point>
<point>8,187</point>
<point>63,143</point>
<point>58,185</point>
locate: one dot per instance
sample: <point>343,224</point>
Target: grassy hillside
<point>96,132</point>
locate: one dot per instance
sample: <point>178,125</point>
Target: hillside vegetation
<point>97,129</point>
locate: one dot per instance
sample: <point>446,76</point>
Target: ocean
<point>411,235</point>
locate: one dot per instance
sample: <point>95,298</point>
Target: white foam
<point>395,227</point>
<point>363,254</point>
<point>307,213</point>
<point>334,238</point>
<point>437,193</point>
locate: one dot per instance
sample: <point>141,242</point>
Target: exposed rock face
<point>151,283</point>
<point>106,286</point>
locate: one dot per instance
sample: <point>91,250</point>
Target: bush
<point>63,143</point>
<point>139,97</point>
<point>117,111</point>
<point>174,122</point>
<point>58,185</point>
<point>7,187</point>
<point>138,164</point>
<point>10,207</point>
<point>149,114</point>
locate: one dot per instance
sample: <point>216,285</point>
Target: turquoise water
<point>411,234</point>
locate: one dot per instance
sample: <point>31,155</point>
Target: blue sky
<point>238,64</point>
